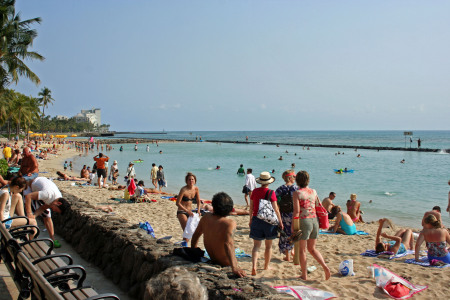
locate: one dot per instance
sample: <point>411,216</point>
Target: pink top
<point>307,200</point>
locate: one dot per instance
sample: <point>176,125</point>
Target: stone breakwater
<point>130,256</point>
<point>376,148</point>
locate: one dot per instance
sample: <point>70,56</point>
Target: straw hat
<point>115,162</point>
<point>265,178</point>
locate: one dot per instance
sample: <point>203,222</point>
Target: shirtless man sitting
<point>218,231</point>
<point>327,203</point>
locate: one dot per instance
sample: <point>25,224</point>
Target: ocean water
<point>402,192</point>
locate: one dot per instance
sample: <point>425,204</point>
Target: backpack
<point>286,204</point>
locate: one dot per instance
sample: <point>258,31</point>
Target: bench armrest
<point>55,280</point>
<point>23,231</point>
<point>103,296</point>
<point>54,256</point>
<point>50,243</point>
<point>17,217</point>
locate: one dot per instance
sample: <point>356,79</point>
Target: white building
<point>61,117</point>
<point>89,115</point>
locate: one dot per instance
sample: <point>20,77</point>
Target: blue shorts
<point>161,182</point>
<point>260,230</point>
<point>8,223</point>
<point>31,177</point>
<point>445,259</point>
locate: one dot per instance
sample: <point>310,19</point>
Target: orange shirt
<point>101,161</point>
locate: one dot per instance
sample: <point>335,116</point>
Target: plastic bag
<point>191,225</point>
<point>346,268</point>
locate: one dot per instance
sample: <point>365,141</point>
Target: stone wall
<point>130,256</point>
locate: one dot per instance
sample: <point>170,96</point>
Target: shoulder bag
<point>266,211</point>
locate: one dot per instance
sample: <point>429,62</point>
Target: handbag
<point>266,212</point>
<point>322,216</point>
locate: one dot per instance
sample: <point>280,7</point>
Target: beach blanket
<point>383,277</point>
<point>237,252</point>
<point>424,262</point>
<point>304,292</point>
<point>358,232</point>
<point>386,254</point>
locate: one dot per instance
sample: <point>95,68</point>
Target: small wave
<point>389,194</point>
<point>211,168</point>
<point>444,151</point>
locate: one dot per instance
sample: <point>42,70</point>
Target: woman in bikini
<point>437,240</point>
<point>400,242</point>
<point>353,209</point>
<point>344,223</point>
<point>188,195</point>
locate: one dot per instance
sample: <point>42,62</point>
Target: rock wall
<point>130,256</point>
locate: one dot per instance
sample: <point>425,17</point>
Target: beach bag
<point>266,211</point>
<point>191,225</point>
<point>322,216</point>
<point>396,289</point>
<point>286,204</point>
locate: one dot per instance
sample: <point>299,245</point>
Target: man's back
<point>215,233</point>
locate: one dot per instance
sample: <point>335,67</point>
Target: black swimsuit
<point>186,199</point>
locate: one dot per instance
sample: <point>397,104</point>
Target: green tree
<point>24,111</point>
<point>16,37</point>
<point>44,101</point>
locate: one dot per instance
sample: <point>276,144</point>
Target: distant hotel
<point>93,116</point>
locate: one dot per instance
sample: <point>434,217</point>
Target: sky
<point>245,65</point>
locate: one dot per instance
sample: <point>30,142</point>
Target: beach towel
<point>166,197</point>
<point>132,188</point>
<point>358,232</point>
<point>237,252</point>
<point>384,277</point>
<point>304,292</point>
<point>424,262</point>
<point>386,254</point>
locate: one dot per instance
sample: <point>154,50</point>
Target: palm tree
<point>44,101</point>
<point>16,37</point>
<point>24,110</point>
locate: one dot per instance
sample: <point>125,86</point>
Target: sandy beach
<point>335,248</point>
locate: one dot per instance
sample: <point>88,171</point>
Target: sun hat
<point>265,178</point>
<point>115,162</point>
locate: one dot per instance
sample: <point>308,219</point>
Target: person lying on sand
<point>218,231</point>
<point>234,211</point>
<point>117,188</point>
<point>67,177</point>
<point>105,208</point>
<point>400,242</point>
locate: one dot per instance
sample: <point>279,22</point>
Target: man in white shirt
<point>250,185</point>
<point>42,196</point>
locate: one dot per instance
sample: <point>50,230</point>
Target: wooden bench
<point>39,272</point>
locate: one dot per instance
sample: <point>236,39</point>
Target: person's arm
<point>3,200</point>
<point>336,224</point>
<point>448,206</point>
<point>250,210</point>
<point>273,201</point>
<point>199,202</point>
<point>197,234</point>
<point>378,237</point>
<point>3,182</point>
<point>28,198</point>
<point>296,213</point>
<point>230,252</point>
<point>419,242</point>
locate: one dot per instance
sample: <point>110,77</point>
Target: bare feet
<point>253,272</point>
<point>286,258</point>
<point>303,277</point>
<point>327,273</point>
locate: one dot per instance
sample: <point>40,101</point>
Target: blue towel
<point>147,227</point>
<point>237,252</point>
<point>373,253</point>
<point>166,197</point>
<point>424,262</point>
<point>358,232</point>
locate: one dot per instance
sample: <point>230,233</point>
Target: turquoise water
<point>402,192</point>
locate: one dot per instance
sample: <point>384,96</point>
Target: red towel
<point>132,187</point>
